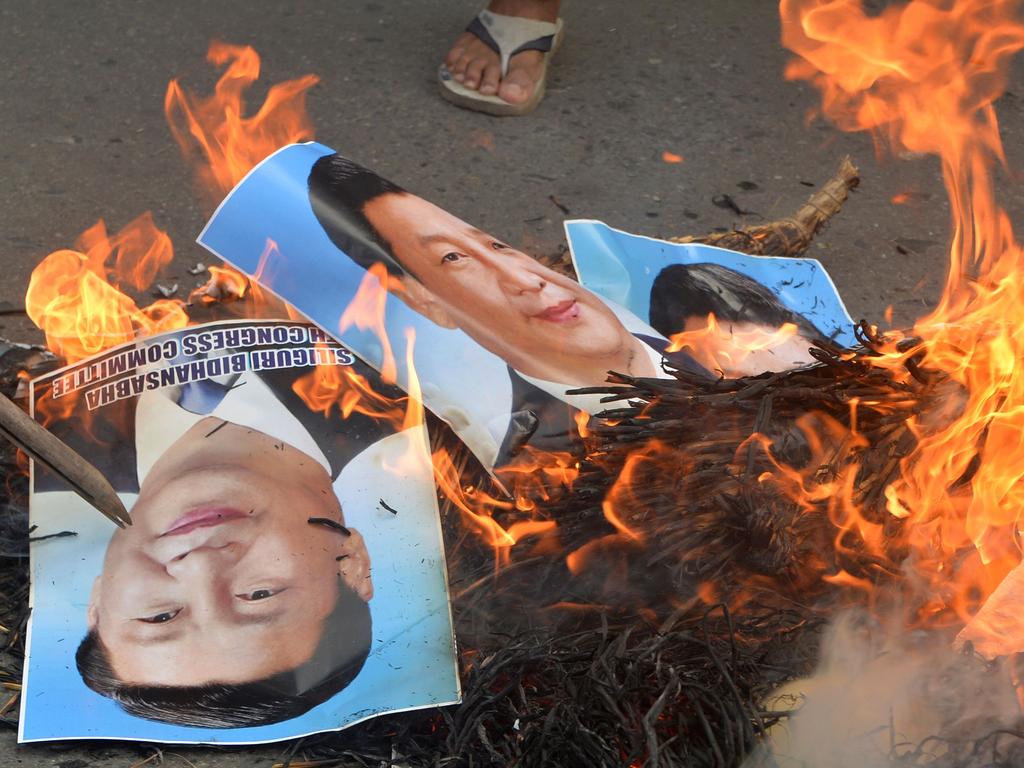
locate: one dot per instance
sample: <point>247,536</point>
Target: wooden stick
<point>45,447</point>
<point>789,236</point>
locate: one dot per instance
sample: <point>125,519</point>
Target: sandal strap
<point>509,35</point>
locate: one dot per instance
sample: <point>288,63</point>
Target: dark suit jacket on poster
<point>106,436</point>
<point>548,424</point>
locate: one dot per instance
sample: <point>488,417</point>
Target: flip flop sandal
<point>507,36</point>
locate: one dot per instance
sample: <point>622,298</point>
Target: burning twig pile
<point>727,468</point>
<point>662,649</point>
<point>599,669</point>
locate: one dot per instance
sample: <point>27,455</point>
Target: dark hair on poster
<point>339,656</point>
<point>684,291</point>
<point>339,189</point>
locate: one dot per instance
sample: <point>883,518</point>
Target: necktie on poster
<point>284,573</point>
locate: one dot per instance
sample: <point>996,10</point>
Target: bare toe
<point>491,79</point>
<point>522,78</point>
<point>461,64</point>
<point>474,72</point>
<point>458,49</point>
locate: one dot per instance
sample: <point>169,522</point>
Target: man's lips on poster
<point>203,517</point>
<point>562,312</point>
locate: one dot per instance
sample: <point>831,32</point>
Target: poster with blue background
<point>284,573</point>
<point>664,282</point>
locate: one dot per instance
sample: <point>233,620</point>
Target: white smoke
<point>880,696</point>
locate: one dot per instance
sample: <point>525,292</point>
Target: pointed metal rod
<point>46,448</point>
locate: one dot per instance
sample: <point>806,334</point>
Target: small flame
<point>76,297</point>
<point>329,388</point>
<point>366,312</point>
<point>737,350</point>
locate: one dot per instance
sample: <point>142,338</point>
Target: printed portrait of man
<point>553,334</point>
<point>238,596</point>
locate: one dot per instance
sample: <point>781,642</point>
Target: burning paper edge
<point>230,193</point>
<point>424,443</point>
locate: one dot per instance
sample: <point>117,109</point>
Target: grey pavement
<point>82,136</point>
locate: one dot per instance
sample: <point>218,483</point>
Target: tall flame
<point>81,298</point>
<point>923,77</point>
<point>231,143</point>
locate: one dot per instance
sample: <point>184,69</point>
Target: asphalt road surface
<point>83,136</point>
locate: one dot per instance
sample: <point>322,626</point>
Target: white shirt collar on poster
<point>160,421</point>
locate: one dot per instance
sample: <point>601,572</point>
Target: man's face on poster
<point>220,578</point>
<point>506,301</point>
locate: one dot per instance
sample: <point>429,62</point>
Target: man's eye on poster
<point>283,574</point>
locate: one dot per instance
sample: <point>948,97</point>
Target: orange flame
<point>75,296</point>
<point>922,77</point>
<point>78,296</point>
<point>737,350</point>
<point>232,144</point>
<point>330,387</point>
<point>366,312</point>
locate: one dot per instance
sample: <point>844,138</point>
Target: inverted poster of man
<point>284,573</point>
<point>499,338</point>
<point>676,286</point>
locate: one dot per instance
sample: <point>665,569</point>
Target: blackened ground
<point>82,135</point>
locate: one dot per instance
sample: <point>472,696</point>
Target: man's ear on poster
<point>354,565</point>
<point>92,614</point>
<point>421,300</point>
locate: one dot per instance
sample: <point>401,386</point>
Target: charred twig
<point>58,535</point>
<point>334,525</point>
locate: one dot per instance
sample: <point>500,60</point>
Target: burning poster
<point>501,341</point>
<point>734,313</point>
<point>284,573</point>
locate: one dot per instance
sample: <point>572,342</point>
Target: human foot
<point>477,66</point>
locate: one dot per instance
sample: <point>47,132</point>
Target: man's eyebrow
<point>261,618</point>
<point>165,637</point>
<point>246,620</point>
<point>426,240</point>
<point>442,237</point>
